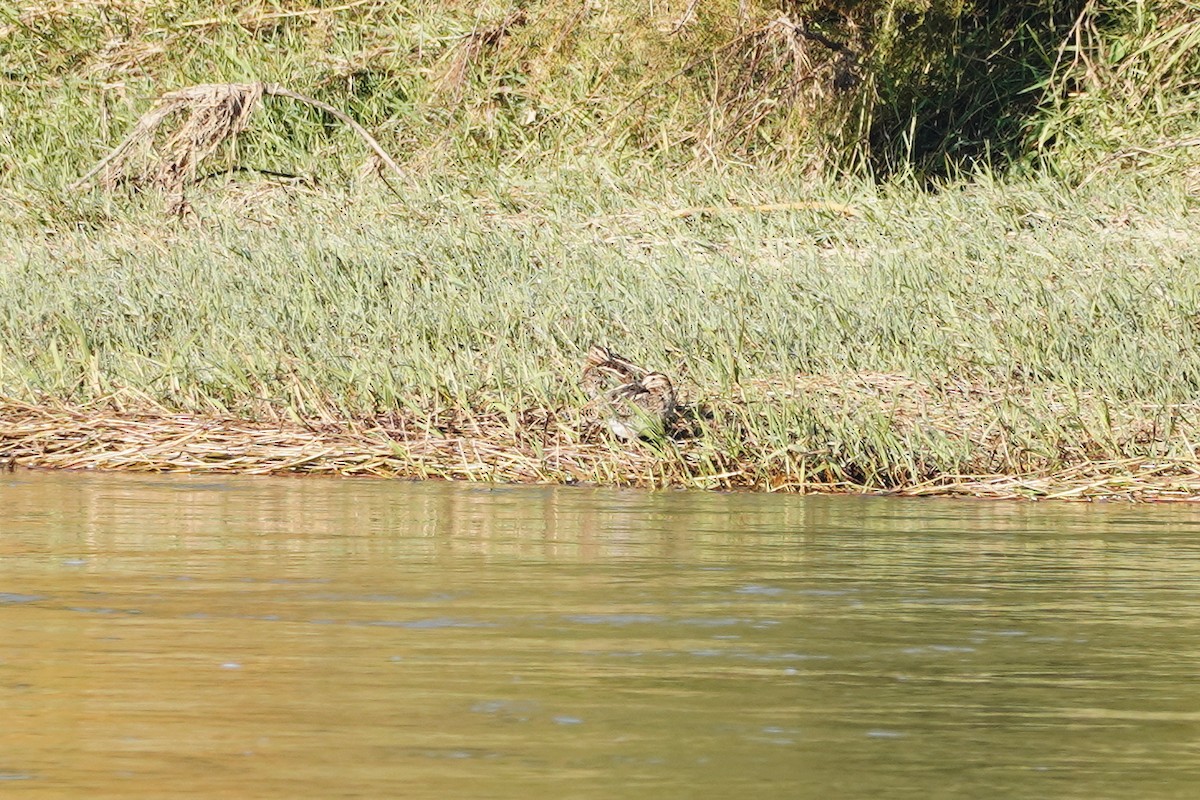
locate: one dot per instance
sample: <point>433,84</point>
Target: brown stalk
<point>544,445</point>
<point>464,55</point>
<point>212,114</point>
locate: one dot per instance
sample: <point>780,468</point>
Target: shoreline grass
<point>543,446</point>
<point>837,333</point>
<point>928,343</point>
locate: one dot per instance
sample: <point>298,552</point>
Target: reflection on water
<point>247,637</point>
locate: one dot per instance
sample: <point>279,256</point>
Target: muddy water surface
<point>279,638</point>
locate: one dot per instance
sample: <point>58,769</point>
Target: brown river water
<point>180,637</point>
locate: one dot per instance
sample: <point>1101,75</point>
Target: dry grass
<point>542,445</point>
<point>213,114</point>
<point>452,76</point>
<point>541,449</point>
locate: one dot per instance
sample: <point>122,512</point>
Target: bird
<point>604,370</point>
<point>634,402</point>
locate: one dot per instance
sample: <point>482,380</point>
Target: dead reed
<point>212,114</point>
<point>559,446</point>
<point>455,71</point>
<point>457,446</point>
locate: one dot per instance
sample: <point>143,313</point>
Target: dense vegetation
<point>928,86</point>
<point>986,265</point>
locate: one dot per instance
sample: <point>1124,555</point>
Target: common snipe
<point>633,402</point>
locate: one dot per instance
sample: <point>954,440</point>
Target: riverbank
<point>1017,338</point>
<point>548,446</point>
<point>880,315</point>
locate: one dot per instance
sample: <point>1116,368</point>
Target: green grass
<point>925,86</point>
<point>1079,310</point>
<point>1013,321</point>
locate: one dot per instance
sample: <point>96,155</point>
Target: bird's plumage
<point>634,402</point>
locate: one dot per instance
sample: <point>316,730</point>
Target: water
<point>282,638</point>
